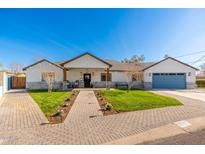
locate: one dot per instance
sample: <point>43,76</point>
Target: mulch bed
<point>63,109</point>
<point>102,102</point>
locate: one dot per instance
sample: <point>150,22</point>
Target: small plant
<point>64,105</point>
<point>67,99</point>
<point>108,106</point>
<point>200,83</point>
<point>58,113</point>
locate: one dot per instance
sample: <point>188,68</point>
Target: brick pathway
<point>85,107</point>
<point>80,128</point>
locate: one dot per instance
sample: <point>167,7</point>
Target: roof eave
<point>25,68</point>
<point>172,59</point>
<point>86,53</point>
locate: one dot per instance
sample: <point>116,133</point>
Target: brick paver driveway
<point>18,111</point>
<point>85,124</point>
<point>193,94</point>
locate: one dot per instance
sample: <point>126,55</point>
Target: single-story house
<point>201,74</point>
<point>91,71</point>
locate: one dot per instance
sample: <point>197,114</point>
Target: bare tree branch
<point>134,59</point>
<point>16,67</point>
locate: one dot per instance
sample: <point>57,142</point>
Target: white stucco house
<point>90,71</point>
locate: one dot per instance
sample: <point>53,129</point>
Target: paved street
<point>195,138</point>
<point>85,124</point>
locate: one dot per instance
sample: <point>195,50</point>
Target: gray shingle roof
<point>119,66</point>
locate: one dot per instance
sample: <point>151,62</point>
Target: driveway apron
<point>193,95</point>
<point>18,111</point>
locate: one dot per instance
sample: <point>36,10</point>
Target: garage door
<point>169,80</point>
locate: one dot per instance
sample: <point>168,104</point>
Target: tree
<point>1,66</point>
<point>16,67</point>
<point>49,78</point>
<point>133,73</point>
<point>202,66</point>
<point>134,59</point>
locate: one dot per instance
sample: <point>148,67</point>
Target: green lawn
<point>49,101</point>
<point>123,100</point>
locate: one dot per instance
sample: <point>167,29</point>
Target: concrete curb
<point>165,131</point>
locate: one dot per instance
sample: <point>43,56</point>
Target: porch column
<point>107,75</point>
<point>64,74</point>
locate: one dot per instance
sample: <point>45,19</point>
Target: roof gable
<point>171,59</point>
<point>43,60</point>
<point>83,60</point>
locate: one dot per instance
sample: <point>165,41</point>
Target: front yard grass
<point>123,100</point>
<point>49,101</point>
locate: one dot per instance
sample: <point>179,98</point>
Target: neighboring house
<point>5,77</point>
<point>91,71</point>
<point>201,74</point>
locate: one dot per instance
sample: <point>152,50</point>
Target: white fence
<point>1,91</point>
<point>3,83</point>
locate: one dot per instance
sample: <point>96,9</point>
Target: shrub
<point>108,106</point>
<point>200,83</point>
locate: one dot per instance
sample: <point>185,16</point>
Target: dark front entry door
<point>87,80</point>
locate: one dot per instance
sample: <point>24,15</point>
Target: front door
<point>87,80</point>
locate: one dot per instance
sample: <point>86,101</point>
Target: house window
<point>189,74</point>
<point>47,75</point>
<point>134,78</point>
<point>137,76</point>
<point>103,77</point>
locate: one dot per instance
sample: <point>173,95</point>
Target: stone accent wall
<point>137,85</point>
<point>190,85</point>
<point>42,85</point>
<point>102,84</point>
<point>134,85</point>
<point>147,85</point>
<point>63,85</point>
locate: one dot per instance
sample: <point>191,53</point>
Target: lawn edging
<point>102,102</point>
<point>63,109</point>
<point>132,100</point>
<point>59,113</point>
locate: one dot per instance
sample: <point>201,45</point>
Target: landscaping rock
<point>59,113</point>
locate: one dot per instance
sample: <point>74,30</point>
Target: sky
<point>27,35</point>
